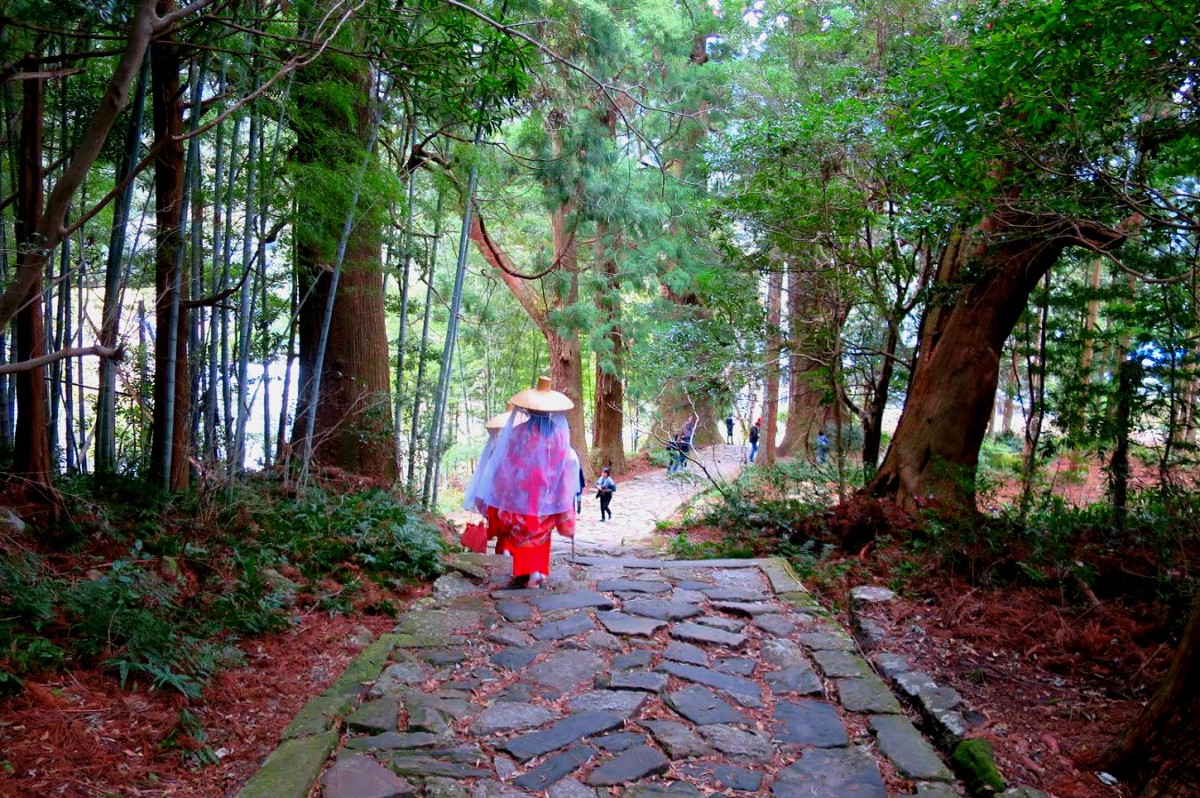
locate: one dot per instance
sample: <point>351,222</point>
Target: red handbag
<point>474,537</point>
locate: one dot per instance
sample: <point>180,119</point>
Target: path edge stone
<point>292,768</point>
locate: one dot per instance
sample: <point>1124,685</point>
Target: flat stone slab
<point>678,740</point>
<point>621,702</point>
<point>779,625</point>
<point>729,776</point>
<point>867,695</point>
<point>514,611</point>
<point>567,627</point>
<point>395,741</point>
<point>741,666</point>
<point>733,594</point>
<point>676,789</point>
<point>842,665</point>
<point>725,624</point>
<point>448,587</point>
<point>562,734</point>
<point>438,623</point>
<point>565,669</point>
<point>555,767</point>
<point>634,659</point>
<point>374,717</point>
<point>516,593</point>
<point>809,723</point>
<point>407,764</point>
<point>398,676</point>
<point>362,777</point>
<point>745,691</point>
<point>619,741</point>
<point>426,718</point>
<point>827,641</point>
<point>661,609</point>
<point>638,680</point>
<point>697,633</point>
<point>630,765</point>
<point>508,716</point>
<point>702,706</point>
<point>831,773</point>
<point>686,652</point>
<point>783,653</point>
<point>601,641</point>
<point>505,635</point>
<point>291,768</point>
<point>911,753</point>
<point>570,788</point>
<point>633,586</point>
<point>514,658</point>
<point>740,745</point>
<point>442,787</point>
<point>751,609</point>
<point>797,679</point>
<point>571,600</point>
<point>865,595</point>
<point>621,624</point>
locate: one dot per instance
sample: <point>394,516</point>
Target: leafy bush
<point>323,534</point>
<point>164,613</point>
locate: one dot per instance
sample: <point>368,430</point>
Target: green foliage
<point>322,533</point>
<point>164,614</point>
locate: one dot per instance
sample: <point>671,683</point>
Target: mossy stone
<point>975,763</point>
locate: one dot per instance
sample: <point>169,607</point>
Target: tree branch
<point>110,353</point>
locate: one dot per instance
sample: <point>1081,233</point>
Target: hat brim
<point>497,421</point>
<point>542,401</point>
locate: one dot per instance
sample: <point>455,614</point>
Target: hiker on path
<point>822,448</point>
<point>729,430</point>
<point>675,459</point>
<point>527,486</point>
<point>753,441</point>
<point>605,488</point>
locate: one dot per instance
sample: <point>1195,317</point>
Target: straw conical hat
<point>542,399</point>
<point>499,420</point>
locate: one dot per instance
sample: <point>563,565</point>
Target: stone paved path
<point>631,678</point>
<point>642,501</point>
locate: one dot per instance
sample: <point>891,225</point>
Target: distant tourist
<point>729,430</point>
<point>605,488</point>
<point>754,441</point>
<point>822,447</point>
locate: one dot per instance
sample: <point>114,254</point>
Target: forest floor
<point>1053,680</point>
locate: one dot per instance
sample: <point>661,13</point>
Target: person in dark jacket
<point>729,430</point>
<point>753,441</point>
<point>605,488</point>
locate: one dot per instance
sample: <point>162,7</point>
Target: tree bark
<point>1160,754</point>
<point>608,410</point>
<point>32,443</point>
<point>808,330</point>
<point>774,354</point>
<point>353,418</point>
<point>935,451</point>
<point>171,439</point>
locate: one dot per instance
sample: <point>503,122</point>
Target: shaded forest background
<point>259,257</point>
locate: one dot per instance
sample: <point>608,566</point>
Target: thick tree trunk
<point>935,450</point>
<point>353,428</point>
<point>808,330</point>
<point>872,419</point>
<point>774,353</point>
<point>608,410</point>
<point>1160,754</point>
<point>170,432</point>
<point>32,443</point>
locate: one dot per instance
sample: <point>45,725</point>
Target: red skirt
<point>527,537</point>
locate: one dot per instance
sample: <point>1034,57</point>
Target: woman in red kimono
<point>526,486</point>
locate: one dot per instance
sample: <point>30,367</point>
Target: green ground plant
<point>166,611</point>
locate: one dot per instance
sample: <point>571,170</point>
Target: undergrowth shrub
<point>158,596</point>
